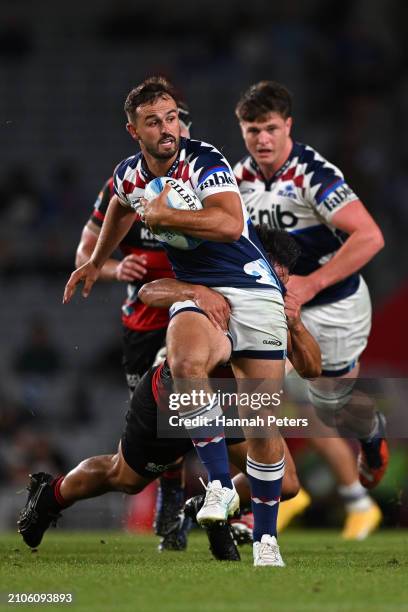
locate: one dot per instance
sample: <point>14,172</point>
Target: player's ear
<point>132,131</point>
<point>289,123</point>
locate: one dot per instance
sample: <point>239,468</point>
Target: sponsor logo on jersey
<point>338,196</point>
<point>276,217</point>
<point>273,341</point>
<point>146,234</point>
<point>218,179</point>
<point>287,192</point>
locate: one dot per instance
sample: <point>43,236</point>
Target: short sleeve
<point>102,203</point>
<point>328,191</point>
<point>122,186</point>
<point>212,174</point>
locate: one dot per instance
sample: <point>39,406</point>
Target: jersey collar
<point>280,171</point>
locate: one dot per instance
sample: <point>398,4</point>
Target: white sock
<point>355,497</point>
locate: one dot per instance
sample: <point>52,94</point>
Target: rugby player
<point>290,186</point>
<point>230,259</point>
<point>144,327</point>
<point>141,456</point>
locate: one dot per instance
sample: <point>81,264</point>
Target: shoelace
<point>213,495</point>
<point>269,552</point>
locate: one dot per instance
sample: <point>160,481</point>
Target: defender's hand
<point>303,288</point>
<point>88,274</point>
<point>132,267</point>
<point>292,309</point>
<point>156,211</point>
<point>215,306</point>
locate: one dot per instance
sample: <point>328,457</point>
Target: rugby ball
<point>180,197</point>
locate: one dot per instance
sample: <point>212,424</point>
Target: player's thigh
<point>193,340</point>
<point>257,323</point>
<point>129,480</point>
<point>244,367</point>
<point>146,458</point>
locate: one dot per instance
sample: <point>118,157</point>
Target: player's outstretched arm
<point>303,350</point>
<point>86,274</point>
<point>130,268</point>
<point>221,219</point>
<point>116,225</point>
<point>164,292</point>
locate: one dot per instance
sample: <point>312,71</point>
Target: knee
<point>266,450</point>
<point>329,403</point>
<point>182,367</point>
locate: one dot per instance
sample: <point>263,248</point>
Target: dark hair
<point>263,98</point>
<point>149,91</point>
<point>279,245</point>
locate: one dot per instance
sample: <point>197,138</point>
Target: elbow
<point>376,240</point>
<point>379,240</point>
<point>143,295</point>
<point>232,231</point>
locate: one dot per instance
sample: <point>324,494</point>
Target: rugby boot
<point>176,539</point>
<point>373,457</point>
<point>40,511</point>
<point>219,503</point>
<point>267,553</point>
<point>193,506</point>
<point>220,537</point>
<point>359,524</point>
<point>242,528</point>
<point>170,522</point>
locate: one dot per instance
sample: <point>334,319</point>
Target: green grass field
<point>119,572</point>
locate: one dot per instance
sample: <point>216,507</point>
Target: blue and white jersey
<point>205,170</point>
<point>302,198</point>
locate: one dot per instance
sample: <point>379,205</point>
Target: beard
<point>155,152</point>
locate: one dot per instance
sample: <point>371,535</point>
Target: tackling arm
<point>164,292</point>
<point>303,350</point>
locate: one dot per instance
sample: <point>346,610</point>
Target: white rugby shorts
<point>257,325</point>
<point>341,329</point>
